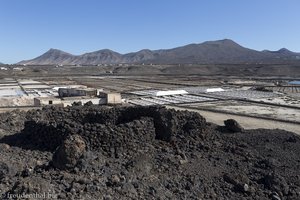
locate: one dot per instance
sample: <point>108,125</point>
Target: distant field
<point>251,70</point>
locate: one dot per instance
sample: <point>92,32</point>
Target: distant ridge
<point>211,52</point>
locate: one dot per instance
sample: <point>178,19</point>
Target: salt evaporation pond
<point>10,92</point>
<point>294,82</point>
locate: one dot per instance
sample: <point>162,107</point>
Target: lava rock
<point>33,186</point>
<point>292,139</point>
<point>140,153</point>
<point>276,183</point>
<point>233,126</point>
<point>114,180</point>
<point>77,103</point>
<point>240,181</point>
<point>89,103</point>
<point>69,153</point>
<point>3,170</point>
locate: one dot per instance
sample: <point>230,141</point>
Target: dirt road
<point>246,122</point>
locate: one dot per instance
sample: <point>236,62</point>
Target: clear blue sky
<point>28,28</point>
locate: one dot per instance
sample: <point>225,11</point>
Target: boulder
<point>89,103</point>
<point>69,153</point>
<point>233,126</point>
<point>239,181</point>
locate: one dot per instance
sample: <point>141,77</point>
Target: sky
<point>28,28</point>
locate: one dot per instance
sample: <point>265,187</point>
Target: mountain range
<point>211,52</point>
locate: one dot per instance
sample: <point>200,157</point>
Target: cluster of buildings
<point>69,96</point>
<point>27,92</point>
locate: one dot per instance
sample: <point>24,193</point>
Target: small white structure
<point>3,68</point>
<point>18,69</point>
<point>170,92</point>
<point>215,90</point>
<point>42,101</point>
<point>110,98</point>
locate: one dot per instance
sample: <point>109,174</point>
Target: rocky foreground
<point>93,152</point>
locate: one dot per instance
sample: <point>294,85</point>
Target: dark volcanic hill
<point>53,56</point>
<point>211,52</point>
<point>222,51</point>
<point>284,54</point>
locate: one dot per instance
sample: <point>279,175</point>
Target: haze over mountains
<point>211,52</point>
